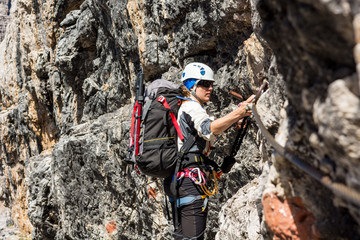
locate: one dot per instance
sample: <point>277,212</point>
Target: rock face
<point>67,71</point>
<point>4,17</point>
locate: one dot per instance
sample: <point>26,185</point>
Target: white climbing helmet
<point>197,71</point>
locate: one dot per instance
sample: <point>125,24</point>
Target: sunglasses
<point>205,83</point>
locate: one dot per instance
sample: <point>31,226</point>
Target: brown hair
<point>185,92</point>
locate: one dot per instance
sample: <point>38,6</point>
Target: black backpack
<point>154,146</point>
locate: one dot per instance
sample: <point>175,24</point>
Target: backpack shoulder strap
<point>188,144</point>
<point>162,100</point>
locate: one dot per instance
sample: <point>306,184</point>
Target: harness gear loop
<point>194,174</point>
<point>215,190</point>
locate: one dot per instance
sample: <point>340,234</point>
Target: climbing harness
<point>339,189</point>
<point>207,181</point>
<point>194,174</point>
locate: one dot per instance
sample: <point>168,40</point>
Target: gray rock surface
<point>67,71</point>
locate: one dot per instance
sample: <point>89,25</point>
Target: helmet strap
<point>194,93</point>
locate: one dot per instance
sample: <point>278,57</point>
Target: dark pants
<point>192,221</point>
<point>191,217</point>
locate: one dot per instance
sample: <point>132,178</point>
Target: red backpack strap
<point>162,100</point>
<point>133,124</point>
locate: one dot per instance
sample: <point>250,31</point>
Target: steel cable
<point>339,189</point>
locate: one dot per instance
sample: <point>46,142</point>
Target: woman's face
<point>203,90</point>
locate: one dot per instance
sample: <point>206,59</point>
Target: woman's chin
<point>207,99</point>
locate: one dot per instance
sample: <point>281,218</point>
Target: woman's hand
<point>244,106</point>
<point>239,123</point>
<point>221,124</point>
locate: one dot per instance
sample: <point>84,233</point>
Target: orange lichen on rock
<point>111,227</point>
<point>19,211</point>
<point>151,192</point>
<point>288,218</point>
<point>137,20</point>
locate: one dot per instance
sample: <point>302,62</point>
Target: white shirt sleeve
<point>201,119</point>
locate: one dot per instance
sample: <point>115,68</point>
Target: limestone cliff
<point>67,71</point>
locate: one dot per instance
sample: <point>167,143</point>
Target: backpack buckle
<point>161,99</point>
